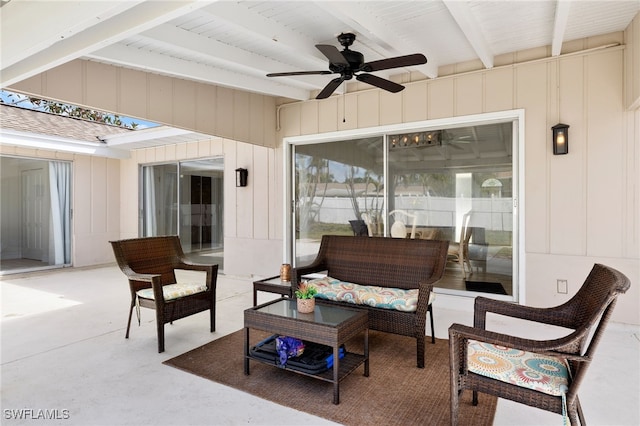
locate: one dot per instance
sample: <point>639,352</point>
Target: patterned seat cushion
<point>174,291</point>
<point>543,373</point>
<point>379,297</point>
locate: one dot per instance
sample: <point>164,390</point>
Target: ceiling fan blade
<point>453,145</point>
<point>397,62</point>
<point>330,88</point>
<point>382,83</point>
<point>284,74</point>
<point>333,54</point>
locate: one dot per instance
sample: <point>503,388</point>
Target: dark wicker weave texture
<point>385,262</point>
<point>151,263</point>
<point>589,310</point>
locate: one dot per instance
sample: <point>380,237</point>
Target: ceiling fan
<point>454,141</point>
<point>349,62</point>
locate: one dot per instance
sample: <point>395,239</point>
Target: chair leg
<point>160,327</point>
<point>420,350</point>
<point>433,332</point>
<point>572,414</point>
<point>160,321</point>
<point>474,399</point>
<point>126,336</point>
<point>212,319</point>
<point>455,394</point>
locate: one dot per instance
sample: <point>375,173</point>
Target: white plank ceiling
<point>236,43</point>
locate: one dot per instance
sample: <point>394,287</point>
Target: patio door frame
<point>517,117</point>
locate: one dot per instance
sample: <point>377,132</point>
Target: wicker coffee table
<point>327,325</point>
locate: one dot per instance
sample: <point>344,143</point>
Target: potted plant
<point>305,297</point>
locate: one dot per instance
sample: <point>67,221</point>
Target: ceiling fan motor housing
<point>346,39</point>
<point>355,59</point>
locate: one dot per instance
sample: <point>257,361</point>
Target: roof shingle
<point>44,123</point>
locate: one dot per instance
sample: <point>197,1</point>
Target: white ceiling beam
<point>257,26</point>
<point>356,17</point>
<point>462,14</point>
<point>55,21</point>
<point>560,26</point>
<point>167,65</point>
<point>246,21</point>
<point>224,54</point>
<point>141,17</point>
<point>137,136</point>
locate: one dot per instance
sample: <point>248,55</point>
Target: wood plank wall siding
<point>200,107</point>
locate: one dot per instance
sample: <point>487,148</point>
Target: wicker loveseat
<point>393,264</point>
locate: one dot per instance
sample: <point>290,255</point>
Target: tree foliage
<point>67,110</point>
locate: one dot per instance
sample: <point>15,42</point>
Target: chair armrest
<point>297,273</point>
<point>459,334</point>
<point>141,281</point>
<point>483,305</point>
<point>210,269</point>
<point>423,297</point>
<point>196,266</point>
<point>138,281</point>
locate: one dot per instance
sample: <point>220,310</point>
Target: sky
<point>22,101</point>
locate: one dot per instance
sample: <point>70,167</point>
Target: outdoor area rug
<point>485,287</point>
<point>395,393</point>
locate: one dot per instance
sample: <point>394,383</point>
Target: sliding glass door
<point>456,184</point>
<point>185,199</point>
<point>445,182</point>
<point>201,205</point>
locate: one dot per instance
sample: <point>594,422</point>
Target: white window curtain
<point>59,184</point>
<point>150,227</point>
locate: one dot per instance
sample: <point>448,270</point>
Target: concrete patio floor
<point>63,348</point>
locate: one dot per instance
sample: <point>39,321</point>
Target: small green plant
<point>306,291</point>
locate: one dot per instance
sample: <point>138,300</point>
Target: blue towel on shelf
<point>330,357</point>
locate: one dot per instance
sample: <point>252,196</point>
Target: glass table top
<point>323,314</point>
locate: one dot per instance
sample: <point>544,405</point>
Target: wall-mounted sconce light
<point>560,139</point>
<point>241,177</point>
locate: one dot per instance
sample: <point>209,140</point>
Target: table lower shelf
<point>349,363</point>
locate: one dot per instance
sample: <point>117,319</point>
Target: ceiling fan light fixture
<point>416,140</point>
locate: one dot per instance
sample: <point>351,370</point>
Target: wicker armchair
<point>563,361</point>
<point>150,265</point>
